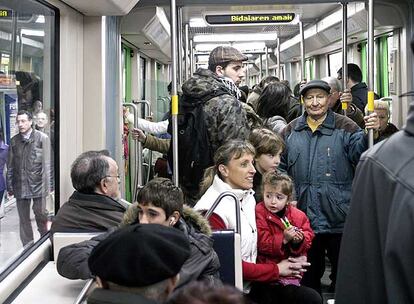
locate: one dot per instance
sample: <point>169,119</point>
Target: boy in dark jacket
<point>159,202</point>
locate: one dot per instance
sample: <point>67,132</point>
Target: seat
<point>227,246</point>
<point>62,239</point>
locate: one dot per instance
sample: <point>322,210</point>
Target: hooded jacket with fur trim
<point>203,263</point>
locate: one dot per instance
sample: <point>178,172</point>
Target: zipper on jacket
<point>328,163</point>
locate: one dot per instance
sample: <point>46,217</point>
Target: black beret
<point>315,84</point>
<point>140,255</point>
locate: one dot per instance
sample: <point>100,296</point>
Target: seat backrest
<point>62,239</point>
<point>228,248</point>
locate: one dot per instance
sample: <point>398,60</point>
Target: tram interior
<point>145,71</point>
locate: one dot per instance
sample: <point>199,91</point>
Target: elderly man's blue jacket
<point>322,165</point>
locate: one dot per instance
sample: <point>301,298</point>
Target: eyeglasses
<point>117,176</point>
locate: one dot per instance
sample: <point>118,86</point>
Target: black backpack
<point>194,148</point>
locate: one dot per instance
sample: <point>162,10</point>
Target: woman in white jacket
<point>233,171</point>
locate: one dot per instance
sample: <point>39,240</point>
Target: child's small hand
<point>298,237</point>
<point>288,234</point>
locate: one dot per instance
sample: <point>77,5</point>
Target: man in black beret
<point>138,264</point>
<point>322,150</point>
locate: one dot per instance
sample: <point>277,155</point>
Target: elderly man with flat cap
<point>322,151</point>
<point>138,264</point>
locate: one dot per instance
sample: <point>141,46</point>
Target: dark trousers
<point>39,210</point>
<point>323,244</point>
<point>262,293</point>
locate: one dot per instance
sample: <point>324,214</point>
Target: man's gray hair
<point>88,170</point>
<point>334,83</point>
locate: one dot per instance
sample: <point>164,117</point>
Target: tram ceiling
<point>144,3</point>
<point>133,25</point>
<point>311,13</point>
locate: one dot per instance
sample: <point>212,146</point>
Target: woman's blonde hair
<point>266,141</point>
<point>234,149</point>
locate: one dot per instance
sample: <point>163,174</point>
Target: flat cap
<point>140,255</point>
<point>223,54</point>
<point>315,84</point>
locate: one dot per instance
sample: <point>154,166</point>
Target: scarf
<point>231,86</point>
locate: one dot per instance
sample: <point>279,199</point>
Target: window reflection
<point>26,125</point>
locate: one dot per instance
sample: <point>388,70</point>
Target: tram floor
<point>10,244</point>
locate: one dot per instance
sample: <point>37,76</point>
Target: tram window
<point>142,72</point>
<point>335,63</point>
<point>163,97</point>
<point>310,69</point>
<point>28,100</point>
<point>392,65</point>
<point>124,74</point>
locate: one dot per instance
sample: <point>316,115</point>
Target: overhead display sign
<point>250,19</point>
<point>6,14</point>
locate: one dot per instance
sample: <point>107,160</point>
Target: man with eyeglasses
<point>322,150</point>
<point>96,204</point>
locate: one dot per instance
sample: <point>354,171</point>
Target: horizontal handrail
<point>236,204</point>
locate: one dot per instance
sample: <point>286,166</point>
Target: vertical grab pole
<point>21,50</point>
<point>191,57</point>
<point>279,72</point>
<point>267,61</point>
<point>174,96</point>
<point>344,52</point>
<point>247,74</point>
<point>261,67</point>
<point>302,58</point>
<point>186,51</point>
<point>13,42</point>
<point>370,101</point>
<point>180,45</point>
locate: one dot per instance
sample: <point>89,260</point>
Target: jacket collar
<point>358,86</point>
<point>273,217</point>
<point>108,296</point>
<point>102,201</point>
<point>409,127</point>
<point>326,128</point>
<point>221,187</point>
<point>30,138</point>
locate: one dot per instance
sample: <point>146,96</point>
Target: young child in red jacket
<point>283,230</point>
